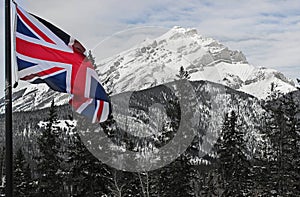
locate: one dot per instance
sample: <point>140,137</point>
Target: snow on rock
<point>259,83</point>
<point>67,125</point>
<point>157,61</point>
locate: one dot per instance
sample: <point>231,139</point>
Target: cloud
<point>125,39</point>
<point>267,32</point>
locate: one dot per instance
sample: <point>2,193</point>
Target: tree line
<point>63,166</point>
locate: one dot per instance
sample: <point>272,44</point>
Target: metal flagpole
<point>8,104</point>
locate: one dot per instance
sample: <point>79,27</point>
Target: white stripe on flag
<point>105,112</point>
<point>96,111</point>
<point>84,105</point>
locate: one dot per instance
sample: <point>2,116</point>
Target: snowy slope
<point>34,97</point>
<point>157,61</point>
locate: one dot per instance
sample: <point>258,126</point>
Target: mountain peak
<point>178,33</point>
<point>183,31</point>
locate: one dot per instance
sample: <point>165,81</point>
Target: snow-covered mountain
<point>157,61</point>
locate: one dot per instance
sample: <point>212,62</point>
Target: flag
<point>46,54</point>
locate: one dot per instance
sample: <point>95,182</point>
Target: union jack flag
<point>46,54</point>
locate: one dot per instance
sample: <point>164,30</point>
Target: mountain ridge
<point>157,61</point>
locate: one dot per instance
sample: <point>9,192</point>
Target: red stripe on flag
<point>99,113</point>
<point>33,27</point>
<point>45,53</point>
<point>43,73</point>
<point>41,52</point>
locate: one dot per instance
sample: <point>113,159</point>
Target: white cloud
<point>267,32</point>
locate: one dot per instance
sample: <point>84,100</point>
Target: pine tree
<point>283,131</point>
<point>23,182</point>
<point>290,145</point>
<point>183,74</point>
<point>49,161</point>
<point>86,173</point>
<point>92,59</point>
<point>183,174</point>
<point>233,165</point>
<point>175,179</point>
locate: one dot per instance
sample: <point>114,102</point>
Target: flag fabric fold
<point>46,54</point>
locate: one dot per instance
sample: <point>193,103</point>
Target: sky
<point>266,31</point>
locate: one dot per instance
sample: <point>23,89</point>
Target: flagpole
<point>8,104</point>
